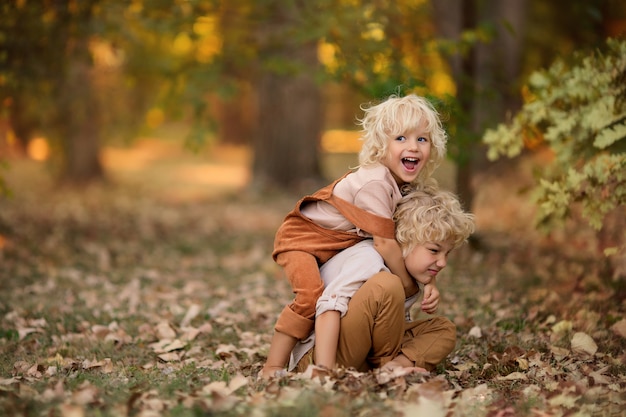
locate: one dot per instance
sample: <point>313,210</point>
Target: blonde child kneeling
<point>375,328</point>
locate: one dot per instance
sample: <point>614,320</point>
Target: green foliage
<point>130,49</point>
<point>579,112</point>
<point>376,49</point>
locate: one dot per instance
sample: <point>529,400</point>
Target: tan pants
<point>374,330</point>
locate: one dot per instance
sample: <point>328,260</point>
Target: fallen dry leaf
<point>191,314</point>
<point>25,331</point>
<point>583,344</point>
<point>224,351</point>
<point>167,345</point>
<point>165,331</point>
<point>71,410</point>
<point>100,331</point>
<point>86,394</point>
<point>600,377</point>
<point>619,328</point>
<point>475,332</point>
<point>169,357</point>
<point>8,381</point>
<point>221,387</point>
<point>424,406</point>
<point>513,376</point>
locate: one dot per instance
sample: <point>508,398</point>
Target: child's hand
<point>402,363</point>
<point>431,299</point>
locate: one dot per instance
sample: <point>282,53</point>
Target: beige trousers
<point>374,330</point>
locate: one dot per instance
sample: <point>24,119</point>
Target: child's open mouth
<point>410,163</point>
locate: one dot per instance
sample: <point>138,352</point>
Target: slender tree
<point>286,146</point>
<point>485,62</point>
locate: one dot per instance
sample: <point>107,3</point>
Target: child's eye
<point>422,139</point>
<point>401,138</point>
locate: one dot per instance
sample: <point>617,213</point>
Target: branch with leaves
<point>579,112</point>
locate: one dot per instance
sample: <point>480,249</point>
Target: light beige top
<point>370,188</point>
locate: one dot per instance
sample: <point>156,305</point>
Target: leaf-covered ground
<point>128,300</point>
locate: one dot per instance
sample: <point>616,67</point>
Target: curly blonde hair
<point>395,116</point>
<point>429,214</point>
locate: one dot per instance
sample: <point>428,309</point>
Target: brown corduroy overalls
<point>302,246</point>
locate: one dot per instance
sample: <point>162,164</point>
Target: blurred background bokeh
<point>196,97</point>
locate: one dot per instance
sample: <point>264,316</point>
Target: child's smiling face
<point>407,154</point>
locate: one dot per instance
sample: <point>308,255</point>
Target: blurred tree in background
<point>484,45</point>
<point>46,81</point>
<point>255,72</point>
<point>286,141</point>
<point>80,72</point>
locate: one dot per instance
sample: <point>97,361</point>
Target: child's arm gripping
<point>392,254</point>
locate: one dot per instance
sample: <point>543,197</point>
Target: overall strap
<point>363,219</point>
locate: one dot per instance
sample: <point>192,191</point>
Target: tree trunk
<point>286,145</point>
<point>79,118</point>
<point>236,116</point>
<point>235,102</point>
<point>452,17</point>
<point>486,77</point>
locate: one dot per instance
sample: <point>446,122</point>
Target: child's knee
<point>446,331</point>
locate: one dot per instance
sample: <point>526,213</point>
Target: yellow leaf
<point>182,44</point>
<point>562,327</point>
